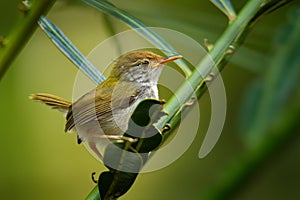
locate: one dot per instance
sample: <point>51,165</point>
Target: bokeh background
<point>40,161</point>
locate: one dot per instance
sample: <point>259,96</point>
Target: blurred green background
<point>40,161</point>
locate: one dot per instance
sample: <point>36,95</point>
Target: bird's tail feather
<point>54,101</point>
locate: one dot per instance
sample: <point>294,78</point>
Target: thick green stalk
<point>94,194</point>
<point>235,28</point>
<point>21,33</point>
<point>268,139</point>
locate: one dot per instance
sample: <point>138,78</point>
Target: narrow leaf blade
<point>69,50</point>
<point>141,28</point>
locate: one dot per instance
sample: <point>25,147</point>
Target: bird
<point>103,113</point>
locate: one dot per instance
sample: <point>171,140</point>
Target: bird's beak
<point>169,59</point>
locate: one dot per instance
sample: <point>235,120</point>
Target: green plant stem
<point>218,52</point>
<point>273,139</point>
<point>94,194</point>
<point>21,33</point>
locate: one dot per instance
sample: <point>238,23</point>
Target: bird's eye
<point>145,62</point>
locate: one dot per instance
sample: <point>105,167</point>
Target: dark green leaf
<point>125,160</point>
<point>141,125</point>
<point>113,185</point>
<point>118,157</point>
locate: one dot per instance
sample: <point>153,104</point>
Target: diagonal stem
<point>236,28</point>
<point>21,33</point>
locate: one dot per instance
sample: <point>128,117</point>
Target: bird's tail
<point>54,101</point>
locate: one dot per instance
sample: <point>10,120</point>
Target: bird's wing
<point>98,103</point>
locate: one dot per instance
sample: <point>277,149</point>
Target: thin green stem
<point>94,194</point>
<point>21,33</point>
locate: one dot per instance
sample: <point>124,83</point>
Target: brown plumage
<point>105,111</point>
